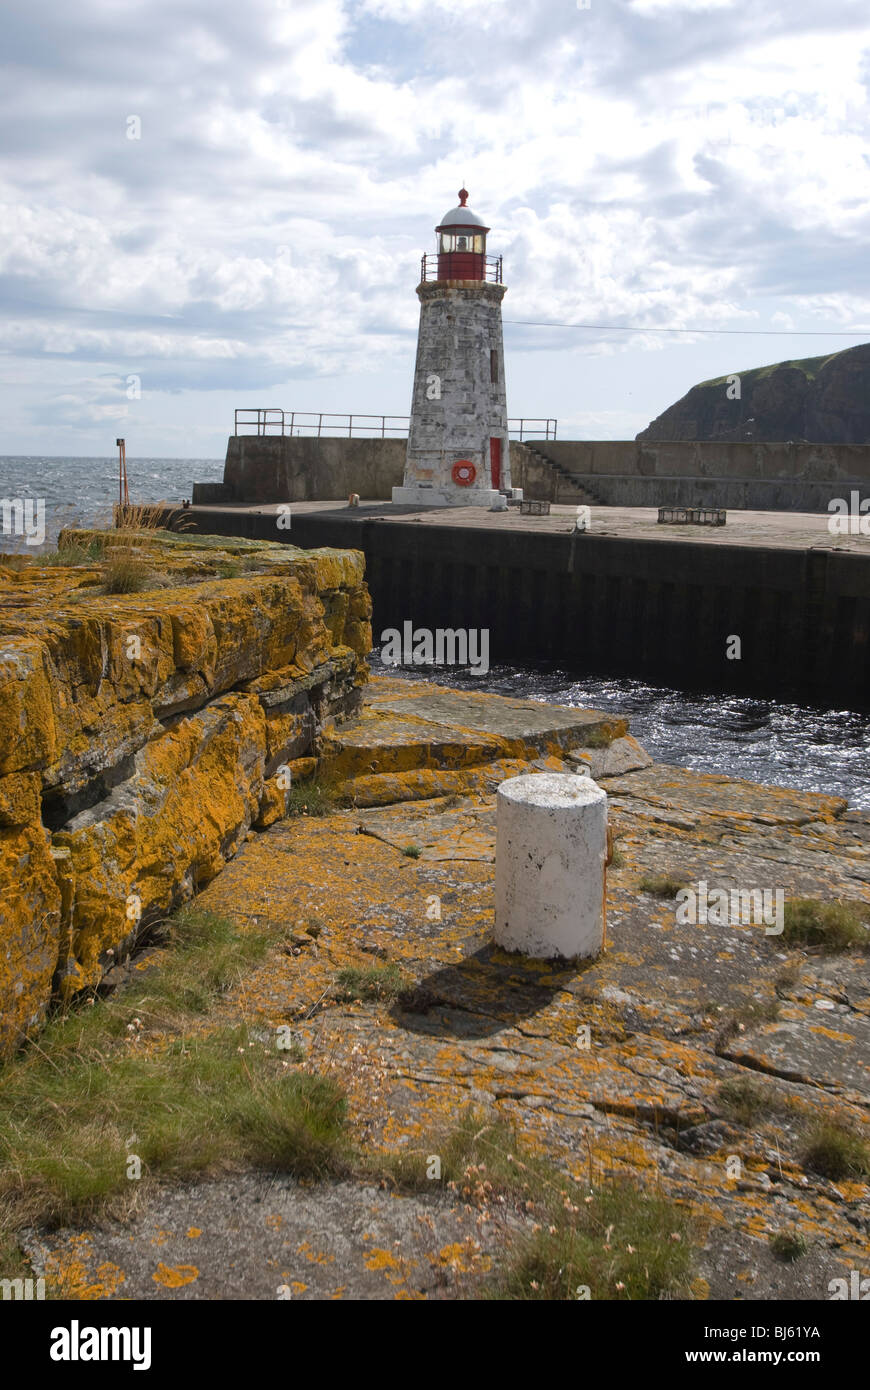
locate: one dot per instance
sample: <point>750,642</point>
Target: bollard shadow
<point>482,994</point>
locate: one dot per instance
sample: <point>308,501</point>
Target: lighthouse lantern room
<point>458,452</point>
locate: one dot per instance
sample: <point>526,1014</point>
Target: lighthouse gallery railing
<point>459,261</point>
<point>273,420</point>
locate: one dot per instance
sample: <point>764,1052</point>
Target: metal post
<point>123,493</point>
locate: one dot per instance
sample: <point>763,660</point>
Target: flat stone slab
<point>532,721</point>
<point>264,1236</point>
<point>414,740</point>
<point>825,1045</point>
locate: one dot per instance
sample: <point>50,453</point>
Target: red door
<point>495,462</point>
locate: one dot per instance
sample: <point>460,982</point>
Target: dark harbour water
<point>762,740</point>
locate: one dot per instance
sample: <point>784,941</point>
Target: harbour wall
<point>741,476</point>
<point>655,610</point>
<point>764,477</point>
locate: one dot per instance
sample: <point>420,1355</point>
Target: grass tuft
<point>73,553</point>
<point>626,1244</point>
<point>661,885</point>
<point>788,1246</point>
<point>126,573</point>
<point>149,516</point>
<point>206,956</point>
<point>746,1102</point>
<point>358,983</point>
<point>835,1151</point>
<point>831,926</point>
<point>316,796</point>
<point>746,1016</point>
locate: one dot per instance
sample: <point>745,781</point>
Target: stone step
<point>415,740</point>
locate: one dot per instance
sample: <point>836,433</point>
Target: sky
<point>207,205</point>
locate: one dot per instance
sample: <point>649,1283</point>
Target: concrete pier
<point>627,598</point>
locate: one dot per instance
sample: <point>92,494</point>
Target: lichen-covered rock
<point>147,731</point>
<point>165,831</point>
<point>28,736</point>
<point>30,929</point>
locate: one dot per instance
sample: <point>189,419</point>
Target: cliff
<point>142,734</point>
<point>820,400</point>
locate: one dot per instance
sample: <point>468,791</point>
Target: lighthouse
<point>458,453</point>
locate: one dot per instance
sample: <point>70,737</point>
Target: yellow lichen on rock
<point>148,731</point>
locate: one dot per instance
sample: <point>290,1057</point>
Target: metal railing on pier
<point>532,429</point>
<point>272,420</point>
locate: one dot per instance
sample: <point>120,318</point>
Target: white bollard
<point>551,845</point>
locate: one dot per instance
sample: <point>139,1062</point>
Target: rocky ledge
<point>142,734</point>
<point>690,1058</point>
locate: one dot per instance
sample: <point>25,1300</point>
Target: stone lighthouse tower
<point>458,452</point>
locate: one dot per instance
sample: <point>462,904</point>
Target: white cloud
<point>645,163</point>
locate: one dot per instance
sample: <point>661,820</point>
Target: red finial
<point>463,197</point>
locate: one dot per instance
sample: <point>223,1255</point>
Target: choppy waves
<point>761,740</point>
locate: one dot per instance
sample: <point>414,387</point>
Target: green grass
<point>620,1241</point>
<point>788,1246</point>
<point>206,955</point>
<point>831,926</point>
<point>626,1244</point>
<point>203,1103</point>
<point>73,553</point>
<point>236,567</point>
<point>746,1102</point>
<point>196,1099</point>
<point>826,1147</point>
<point>126,573</point>
<point>356,983</point>
<point>835,1151</point>
<point>317,796</point>
<point>810,366</point>
<point>788,977</point>
<point>412,851</point>
<point>661,885</point>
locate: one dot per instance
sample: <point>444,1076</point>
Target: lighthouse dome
<point>462,216</point>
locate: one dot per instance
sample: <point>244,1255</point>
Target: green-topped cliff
<point>822,400</point>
